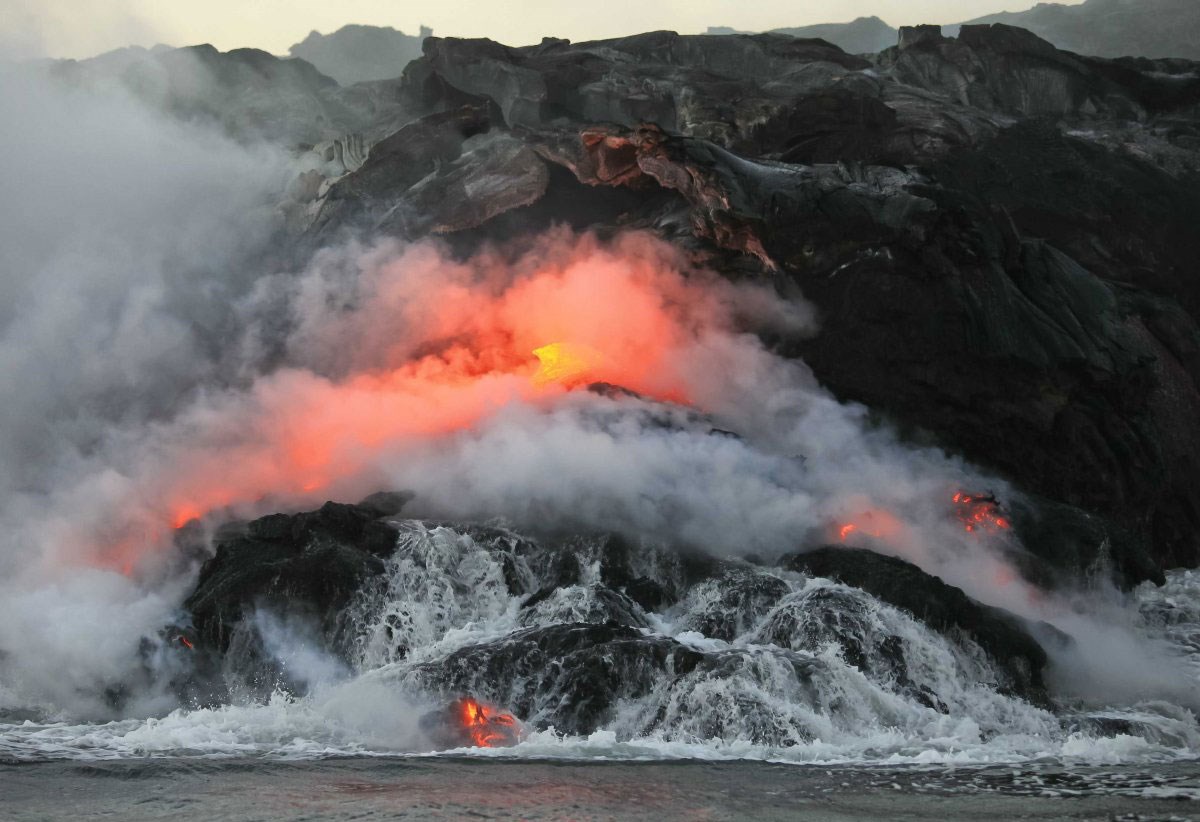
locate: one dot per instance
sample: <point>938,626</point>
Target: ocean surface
<point>848,746</point>
<point>460,787</point>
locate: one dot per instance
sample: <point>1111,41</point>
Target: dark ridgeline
<point>357,54</point>
<point>1100,28</point>
<point>1111,28</point>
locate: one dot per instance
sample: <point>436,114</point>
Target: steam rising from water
<point>160,368</point>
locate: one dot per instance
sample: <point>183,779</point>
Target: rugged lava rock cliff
<point>1000,235</point>
<point>577,611</point>
<point>1000,238</point>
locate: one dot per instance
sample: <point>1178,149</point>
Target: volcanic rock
<point>997,233</point>
<point>958,211</point>
<point>569,676</point>
<point>728,606</point>
<point>944,608</point>
<point>592,604</point>
<point>311,564</point>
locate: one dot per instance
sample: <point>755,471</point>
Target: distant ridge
<point>357,54</point>
<point>866,35</point>
<point>1112,28</point>
<point>1098,28</point>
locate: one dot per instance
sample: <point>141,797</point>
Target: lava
<point>875,523</point>
<point>433,347</point>
<point>566,364</point>
<point>979,512</point>
<point>486,726</point>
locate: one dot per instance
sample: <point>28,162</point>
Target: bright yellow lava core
<point>566,363</point>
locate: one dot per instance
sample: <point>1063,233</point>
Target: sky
<point>83,28</point>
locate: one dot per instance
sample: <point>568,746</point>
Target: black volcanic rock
<point>593,604</point>
<point>942,607</point>
<point>714,87</point>
<point>569,676</point>
<point>864,35</point>
<point>310,564</point>
<point>997,234</point>
<point>728,606</point>
<point>810,620</point>
<point>377,190</point>
<point>1005,69</point>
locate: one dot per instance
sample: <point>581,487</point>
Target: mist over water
<point>163,364</point>
<point>127,239</point>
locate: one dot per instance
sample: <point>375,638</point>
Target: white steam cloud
<point>125,240</point>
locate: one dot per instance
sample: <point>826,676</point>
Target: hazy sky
<point>81,28</point>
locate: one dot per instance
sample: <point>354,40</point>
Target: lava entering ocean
<point>429,347</point>
<point>468,723</point>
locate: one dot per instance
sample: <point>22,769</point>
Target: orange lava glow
<point>979,512</point>
<point>875,523</point>
<point>566,364</point>
<point>185,642</point>
<point>486,726</point>
<point>434,347</point>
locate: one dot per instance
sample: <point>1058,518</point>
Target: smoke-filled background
<point>165,361</point>
<point>127,240</point>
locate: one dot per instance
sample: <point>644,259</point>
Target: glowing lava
<point>434,346</point>
<point>567,364</point>
<point>979,512</point>
<point>875,523</point>
<point>485,726</point>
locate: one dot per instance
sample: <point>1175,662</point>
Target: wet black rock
<point>568,676</point>
<point>733,603</point>
<point>1003,636</point>
<point>653,576</point>
<point>593,604</point>
<point>310,564</point>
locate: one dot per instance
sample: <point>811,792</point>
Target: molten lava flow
<point>184,514</point>
<point>432,347</point>
<point>875,523</point>
<point>565,363</point>
<point>484,726</point>
<point>979,512</point>
<point>185,642</point>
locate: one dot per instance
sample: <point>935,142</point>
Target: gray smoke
<point>126,238</point>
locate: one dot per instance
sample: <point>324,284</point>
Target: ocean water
<point>513,788</point>
<point>763,732</point>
